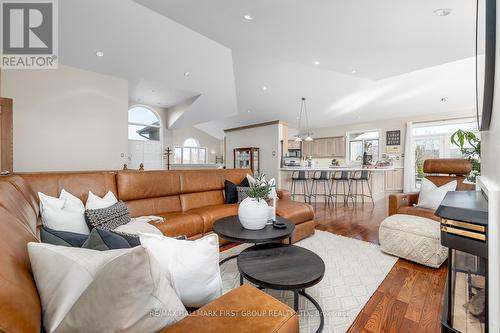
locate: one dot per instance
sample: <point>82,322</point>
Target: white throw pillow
<point>430,196</point>
<point>52,202</point>
<point>83,290</point>
<point>65,213</point>
<point>273,193</point>
<point>250,179</point>
<point>192,266</point>
<point>72,202</point>
<point>135,227</point>
<point>65,220</point>
<point>96,202</point>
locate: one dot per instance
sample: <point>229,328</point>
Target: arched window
<point>143,124</point>
<point>191,142</point>
<point>190,153</point>
<point>144,139</point>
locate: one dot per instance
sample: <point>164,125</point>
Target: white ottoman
<point>413,238</point>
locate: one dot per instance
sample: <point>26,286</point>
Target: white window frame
<point>156,126</point>
<point>443,137</point>
<point>191,153</point>
<point>363,141</point>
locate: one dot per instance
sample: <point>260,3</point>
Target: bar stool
<point>363,178</point>
<point>340,177</point>
<point>320,177</point>
<point>299,177</point>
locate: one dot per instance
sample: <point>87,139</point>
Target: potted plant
<point>470,147</point>
<point>254,210</point>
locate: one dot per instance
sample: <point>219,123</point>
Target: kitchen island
<point>382,179</point>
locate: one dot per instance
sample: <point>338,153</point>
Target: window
<point>144,139</point>
<point>432,140</point>
<point>190,153</point>
<point>359,143</point>
<point>143,124</point>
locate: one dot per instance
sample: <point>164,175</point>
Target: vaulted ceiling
<point>353,60</point>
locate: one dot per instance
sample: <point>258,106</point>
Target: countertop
<point>391,168</point>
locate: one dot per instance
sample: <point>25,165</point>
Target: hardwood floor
<point>410,297</point>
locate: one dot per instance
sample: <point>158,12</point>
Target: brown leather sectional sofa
<point>190,201</point>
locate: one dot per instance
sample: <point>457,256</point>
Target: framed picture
<point>393,138</point>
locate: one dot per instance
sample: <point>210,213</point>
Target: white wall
<point>266,138</point>
<point>67,119</point>
<point>490,176</point>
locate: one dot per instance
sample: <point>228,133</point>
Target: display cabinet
<point>247,158</point>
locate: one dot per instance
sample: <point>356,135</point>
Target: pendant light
<point>304,133</point>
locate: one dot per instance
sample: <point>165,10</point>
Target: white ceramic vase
<point>253,214</point>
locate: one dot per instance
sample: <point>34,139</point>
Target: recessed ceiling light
<point>249,111</point>
<point>443,99</point>
<point>186,73</point>
<point>316,62</point>
<point>354,71</point>
<point>248,17</point>
<point>442,12</point>
<point>152,91</point>
<point>264,88</point>
<point>158,103</point>
<point>99,54</point>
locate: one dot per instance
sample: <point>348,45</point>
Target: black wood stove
<point>464,230</point>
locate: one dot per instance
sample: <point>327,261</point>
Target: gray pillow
<point>242,193</point>
<point>102,240</point>
<point>62,238</point>
<point>108,218</point>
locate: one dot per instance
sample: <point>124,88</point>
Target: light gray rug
<point>354,270</point>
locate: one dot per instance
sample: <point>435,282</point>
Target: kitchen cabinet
<point>325,147</point>
<point>292,144</point>
<point>321,147</point>
<point>394,180</point>
<point>307,148</point>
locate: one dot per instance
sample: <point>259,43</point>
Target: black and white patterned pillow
<point>108,218</point>
<point>242,193</point>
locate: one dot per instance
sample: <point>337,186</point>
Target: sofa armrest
<point>244,309</point>
<point>283,194</point>
<point>398,200</point>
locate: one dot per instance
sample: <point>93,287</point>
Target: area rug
<point>354,270</point>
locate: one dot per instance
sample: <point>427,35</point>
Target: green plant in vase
<point>261,188</point>
<point>253,211</point>
<point>470,147</point>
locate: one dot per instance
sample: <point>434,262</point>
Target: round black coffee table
<point>283,267</point>
<point>231,229</point>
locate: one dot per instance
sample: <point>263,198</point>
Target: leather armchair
<point>440,172</point>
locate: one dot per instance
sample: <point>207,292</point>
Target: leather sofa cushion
<point>16,204</point>
<point>201,199</point>
<point>77,183</point>
<point>201,180</point>
<point>134,185</point>
<point>213,213</point>
<point>179,223</point>
<point>417,211</point>
<point>235,175</point>
<point>271,314</point>
<point>154,206</point>
<point>19,301</point>
<point>294,211</point>
<point>22,186</point>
